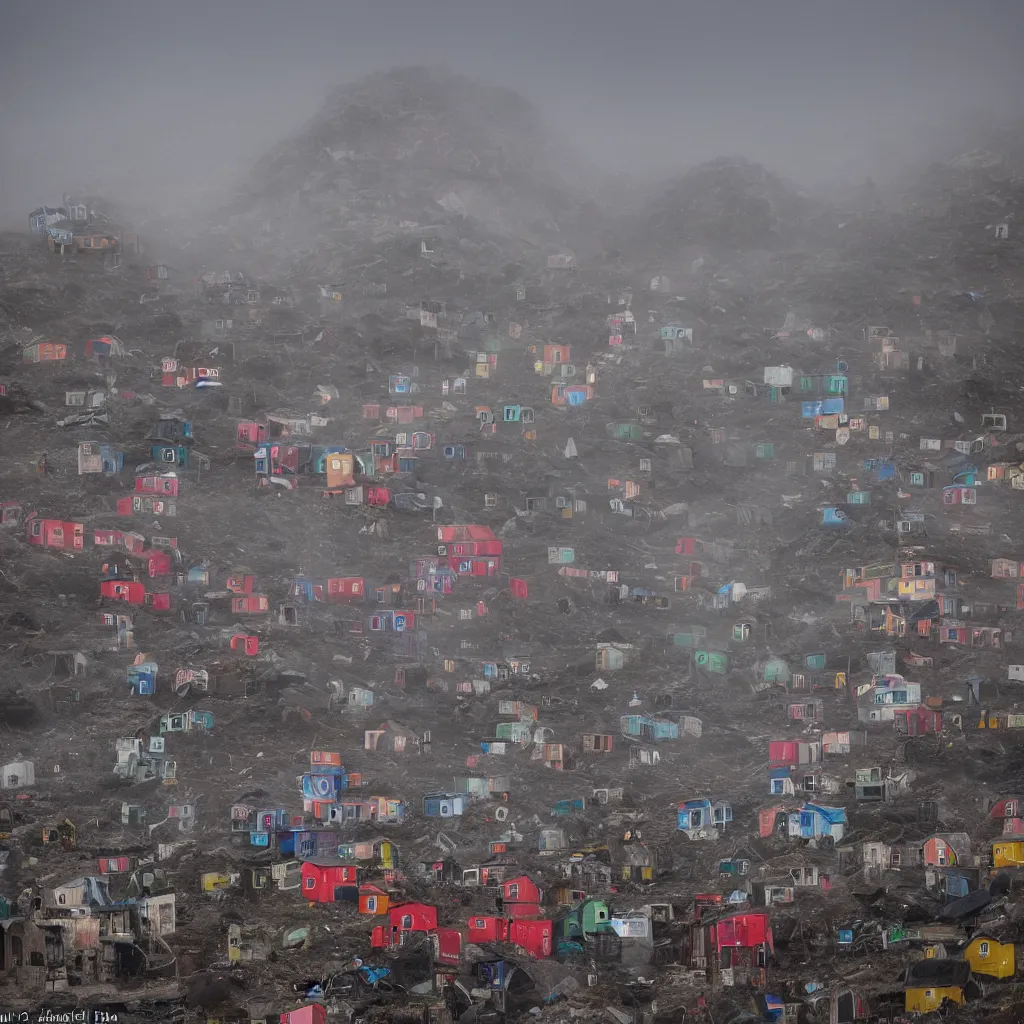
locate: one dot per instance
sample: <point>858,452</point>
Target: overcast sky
<point>169,97</point>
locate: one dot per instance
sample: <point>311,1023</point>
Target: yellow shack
<point>1008,853</point>
<point>212,881</point>
<point>930,982</point>
<point>991,957</point>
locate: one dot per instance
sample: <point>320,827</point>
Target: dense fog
<point>170,105</point>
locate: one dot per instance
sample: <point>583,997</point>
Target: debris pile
<point>396,629</point>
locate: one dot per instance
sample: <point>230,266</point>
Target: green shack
<point>582,920</point>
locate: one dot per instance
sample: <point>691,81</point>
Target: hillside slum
<point>462,636</point>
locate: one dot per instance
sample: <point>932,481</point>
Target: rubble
<point>460,624</point>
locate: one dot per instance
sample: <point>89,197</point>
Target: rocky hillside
<point>728,203</point>
<point>413,148</point>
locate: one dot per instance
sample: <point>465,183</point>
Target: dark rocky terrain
<point>427,227</point>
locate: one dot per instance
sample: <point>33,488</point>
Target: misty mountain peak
<point>419,146</point>
<point>726,202</point>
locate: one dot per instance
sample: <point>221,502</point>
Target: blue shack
<point>179,455</point>
<point>268,822</point>
<point>97,457</point>
<point>142,678</point>
<point>780,782</point>
<point>303,587</point>
<point>324,785</point>
<point>702,813</point>
<point>570,805</point>
<point>444,805</point>
<point>813,821</point>
<point>199,575</point>
<point>821,407</point>
<point>307,843</point>
<point>882,469</point>
<point>833,516</point>
<point>648,728</point>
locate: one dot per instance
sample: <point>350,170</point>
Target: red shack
<point>158,563</point>
<point>406,917</point>
<point>241,583</point>
<point>520,897</point>
<point>249,435</point>
<point>447,946</point>
<point>123,590</point>
<point>248,645</point>
<point>792,752</point>
<point>327,881</point>
<point>471,549</point>
<point>165,483</point>
<point>346,588</point>
<point>487,929</point>
<point>534,937</point>
<point>54,533</point>
<point>134,593</point>
<point>115,865</point>
<point>315,1013</point>
<point>917,721</point>
<point>1007,807</point>
<point>469,540</point>
<point>739,941</point>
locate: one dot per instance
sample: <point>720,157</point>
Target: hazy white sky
<point>175,97</point>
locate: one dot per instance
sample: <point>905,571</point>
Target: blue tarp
<point>822,407</point>
<point>833,815</point>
